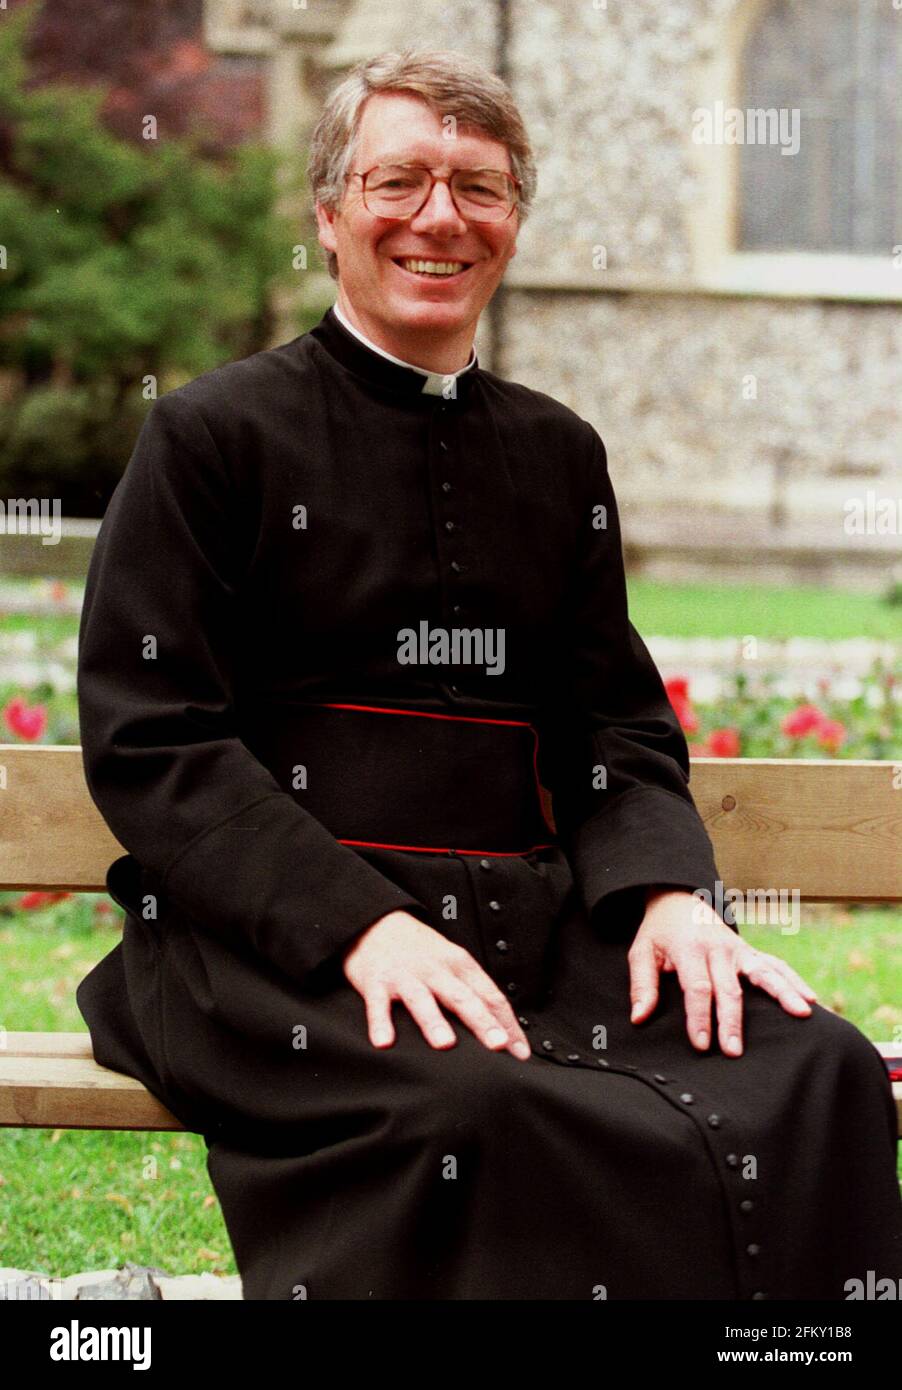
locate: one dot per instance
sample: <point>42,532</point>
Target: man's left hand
<point>683,933</point>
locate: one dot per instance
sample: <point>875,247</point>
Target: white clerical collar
<point>436,383</point>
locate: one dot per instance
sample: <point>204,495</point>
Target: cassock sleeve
<point>616,760</point>
<point>162,758</point>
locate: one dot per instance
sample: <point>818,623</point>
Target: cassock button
<point>446,487</point>
<point>501,946</point>
<point>495,906</point>
<point>511,987</point>
<point>449,525</point>
<point>572,1056</point>
<point>759,1295</point>
<point>662,1079</point>
<point>687,1098</point>
<point>747,1205</point>
<point>714,1121</point>
<point>732,1160</point>
<point>455,689</point>
<point>442,444</point>
<point>630,1066</point>
<point>456,567</point>
<point>753,1250</point>
<point>548,1045</point>
<point>485,863</point>
<point>523,1021</point>
<point>457,610</point>
<point>603,1062</point>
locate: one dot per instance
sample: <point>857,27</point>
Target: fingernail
<point>522,1049</point>
<point>496,1035</point>
<point>702,1039</point>
<point>381,1035</point>
<point>734,1045</point>
<point>440,1035</point>
<point>637,1008</point>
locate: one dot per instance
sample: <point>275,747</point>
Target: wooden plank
<point>75,1093</point>
<point>51,833</point>
<point>40,1090</point>
<point>829,828</point>
<point>47,1045</point>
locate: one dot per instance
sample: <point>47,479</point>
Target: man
<point>353,601</point>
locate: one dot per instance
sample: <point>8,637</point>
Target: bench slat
<point>50,1081</point>
<point>830,828</point>
<point>45,1092</point>
<point>47,1045</point>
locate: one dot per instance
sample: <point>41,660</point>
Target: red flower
<point>724,743</point>
<point>831,734</point>
<point>804,719</point>
<point>678,695</point>
<point>29,901</point>
<point>57,591</point>
<point>27,722</point>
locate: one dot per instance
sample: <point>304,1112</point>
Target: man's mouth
<point>437,270</point>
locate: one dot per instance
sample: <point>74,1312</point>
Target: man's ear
<point>325,223</point>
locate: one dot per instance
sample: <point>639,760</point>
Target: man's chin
<point>410,312</point>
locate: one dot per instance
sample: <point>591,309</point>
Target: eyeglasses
<point>398,191</point>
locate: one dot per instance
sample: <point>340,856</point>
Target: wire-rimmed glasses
<point>398,191</point>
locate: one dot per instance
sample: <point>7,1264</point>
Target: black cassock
<point>287,726</point>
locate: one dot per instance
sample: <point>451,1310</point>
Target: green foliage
<point>868,724</point>
<point>124,262</point>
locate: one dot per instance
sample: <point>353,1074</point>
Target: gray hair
<point>452,83</point>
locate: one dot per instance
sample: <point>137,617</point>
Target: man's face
<point>405,306</point>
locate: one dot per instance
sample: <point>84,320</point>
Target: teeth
<point>434,267</point>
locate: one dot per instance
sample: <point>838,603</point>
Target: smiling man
<point>441,1043</point>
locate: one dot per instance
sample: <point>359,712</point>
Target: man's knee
<point>465,1093</point>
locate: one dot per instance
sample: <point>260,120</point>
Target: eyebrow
<point>405,157</point>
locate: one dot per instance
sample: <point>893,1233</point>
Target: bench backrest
<point>830,829</point>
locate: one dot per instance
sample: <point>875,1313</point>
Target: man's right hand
<point>400,957</point>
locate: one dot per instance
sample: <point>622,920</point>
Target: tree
<point>121,263</point>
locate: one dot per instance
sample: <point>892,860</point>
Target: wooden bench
<point>831,829</point>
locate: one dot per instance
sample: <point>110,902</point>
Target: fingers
<point>774,975</point>
<point>479,1003</point>
<point>400,957</point>
<point>420,1001</point>
<point>695,978</point>
<point>727,998</point>
<point>377,1002</point>
<point>643,965</point>
<point>802,986</point>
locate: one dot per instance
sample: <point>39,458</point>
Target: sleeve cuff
<point>646,836</point>
<point>251,878</point>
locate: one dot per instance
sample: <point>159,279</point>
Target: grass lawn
<point>666,610</point>
<point>80,1200</point>
<point>705,610</point>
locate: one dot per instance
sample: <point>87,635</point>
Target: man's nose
<point>438,213</point>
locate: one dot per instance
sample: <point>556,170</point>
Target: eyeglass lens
<point>395,190</point>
